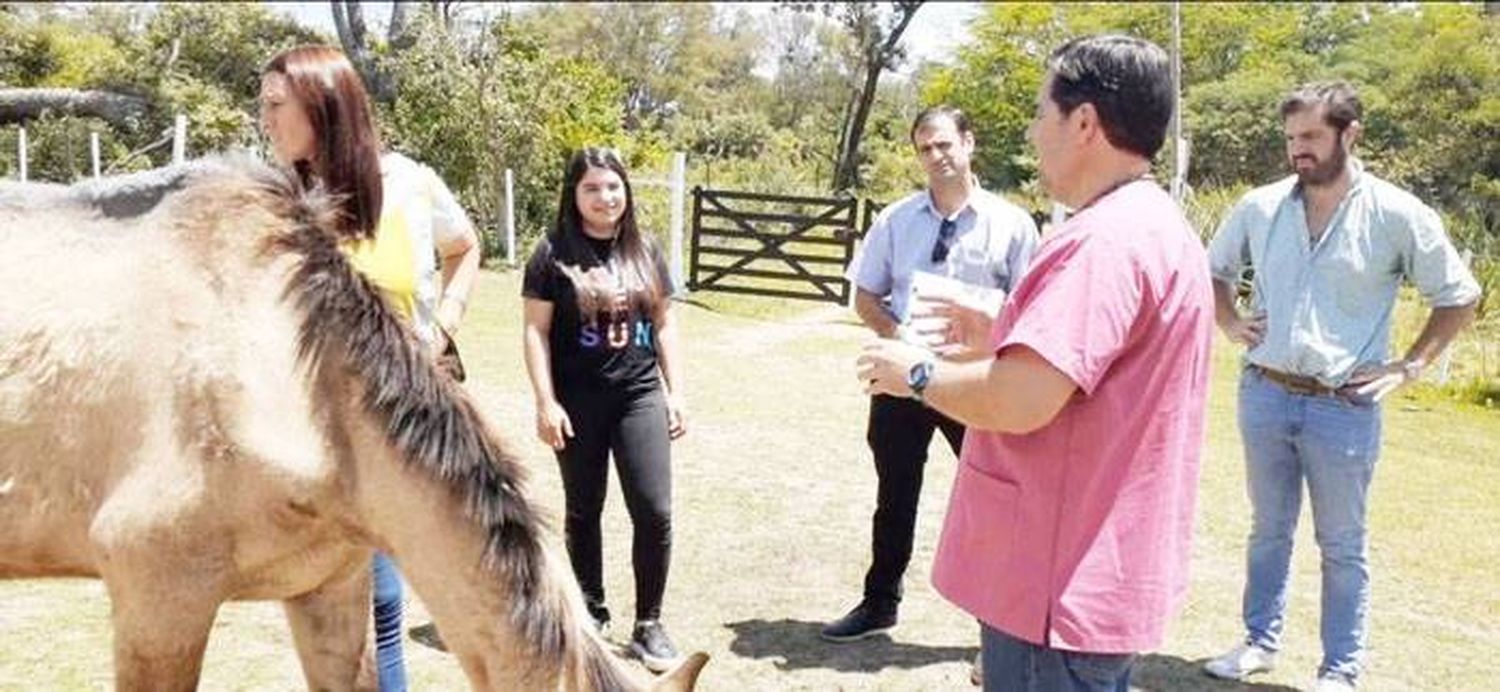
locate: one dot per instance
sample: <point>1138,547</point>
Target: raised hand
<point>883,365</point>
<point>967,325</point>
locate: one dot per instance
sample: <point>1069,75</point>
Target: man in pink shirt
<point>1069,527</point>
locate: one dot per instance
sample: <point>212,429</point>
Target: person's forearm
<point>867,306</point>
<point>994,395</point>
<point>1443,324</point>
<point>1225,311</point>
<point>538,365</point>
<point>668,352</point>
<point>460,270</point>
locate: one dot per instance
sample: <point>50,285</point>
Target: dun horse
<point>200,401</point>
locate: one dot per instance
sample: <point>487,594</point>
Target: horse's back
<point>144,342</point>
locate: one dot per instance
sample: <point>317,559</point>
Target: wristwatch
<point>918,377</point>
<point>1412,369</point>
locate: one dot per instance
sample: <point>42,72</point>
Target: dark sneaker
<point>599,616</point>
<point>427,635</point>
<point>864,621</point>
<point>650,643</point>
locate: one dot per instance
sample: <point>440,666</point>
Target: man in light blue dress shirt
<point>1329,247</point>
<point>956,230</point>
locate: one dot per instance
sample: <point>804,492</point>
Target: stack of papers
<point>928,330</point>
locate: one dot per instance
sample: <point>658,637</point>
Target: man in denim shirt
<point>1329,247</point>
<point>956,230</point>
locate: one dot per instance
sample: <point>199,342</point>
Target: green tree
<point>472,105</point>
<point>673,57</point>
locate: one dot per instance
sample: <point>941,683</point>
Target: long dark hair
<point>347,158</point>
<point>630,256</point>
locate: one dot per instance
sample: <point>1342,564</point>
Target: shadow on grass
<point>795,645</point>
<point>1155,672</point>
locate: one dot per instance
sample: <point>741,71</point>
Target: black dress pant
<point>632,426</point>
<point>899,433</point>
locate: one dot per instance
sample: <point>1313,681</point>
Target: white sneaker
<point>1333,683</point>
<point>1241,662</point>
<point>976,671</point>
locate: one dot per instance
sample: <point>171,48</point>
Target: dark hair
<point>630,254</point>
<point>1340,102</point>
<point>1127,79</point>
<point>347,158</point>
<point>932,113</point>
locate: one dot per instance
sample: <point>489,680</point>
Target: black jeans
<point>634,426</point>
<point>899,433</point>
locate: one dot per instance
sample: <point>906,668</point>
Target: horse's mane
<point>430,421</point>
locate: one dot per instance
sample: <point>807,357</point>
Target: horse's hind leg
<point>330,626</point>
<point>160,635</point>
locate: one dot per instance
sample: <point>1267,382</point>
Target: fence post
<point>678,184</point>
<point>21,152</point>
<point>510,217</point>
<point>94,152</point>
<point>179,139</point>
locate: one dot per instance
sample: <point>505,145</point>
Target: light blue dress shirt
<point>992,244</point>
<point>1328,303</point>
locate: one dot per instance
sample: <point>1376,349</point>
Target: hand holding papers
<point>949,317</point>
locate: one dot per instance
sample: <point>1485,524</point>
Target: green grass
<point>774,490</point>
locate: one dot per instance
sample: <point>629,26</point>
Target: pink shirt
<point>1077,535</point>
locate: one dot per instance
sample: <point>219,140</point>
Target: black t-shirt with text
<point>616,348</point>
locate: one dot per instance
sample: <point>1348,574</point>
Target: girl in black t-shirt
<point>601,352</point>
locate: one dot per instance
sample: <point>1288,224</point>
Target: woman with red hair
<point>316,113</point>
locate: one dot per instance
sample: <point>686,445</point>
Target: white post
<point>678,183</point>
<point>179,139</point>
<point>510,218</point>
<point>21,152</point>
<point>94,152</point>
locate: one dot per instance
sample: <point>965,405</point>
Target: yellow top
<point>387,260</point>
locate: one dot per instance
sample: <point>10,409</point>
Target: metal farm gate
<point>774,245</point>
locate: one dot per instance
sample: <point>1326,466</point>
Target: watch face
<point>918,376</point>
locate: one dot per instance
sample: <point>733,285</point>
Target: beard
<point>1323,172</point>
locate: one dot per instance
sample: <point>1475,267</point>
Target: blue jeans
<point>1332,444</point>
<point>1016,665</point>
<point>387,601</point>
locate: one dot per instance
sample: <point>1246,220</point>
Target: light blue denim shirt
<point>1328,303</point>
<point>992,244</point>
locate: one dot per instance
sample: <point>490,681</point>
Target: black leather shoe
<point>651,644</point>
<point>865,620</point>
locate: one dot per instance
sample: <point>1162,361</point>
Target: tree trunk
<point>20,105</point>
<point>349,21</point>
<point>846,168</point>
<point>399,35</point>
<point>846,173</point>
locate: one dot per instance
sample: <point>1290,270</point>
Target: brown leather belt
<point>1297,384</point>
